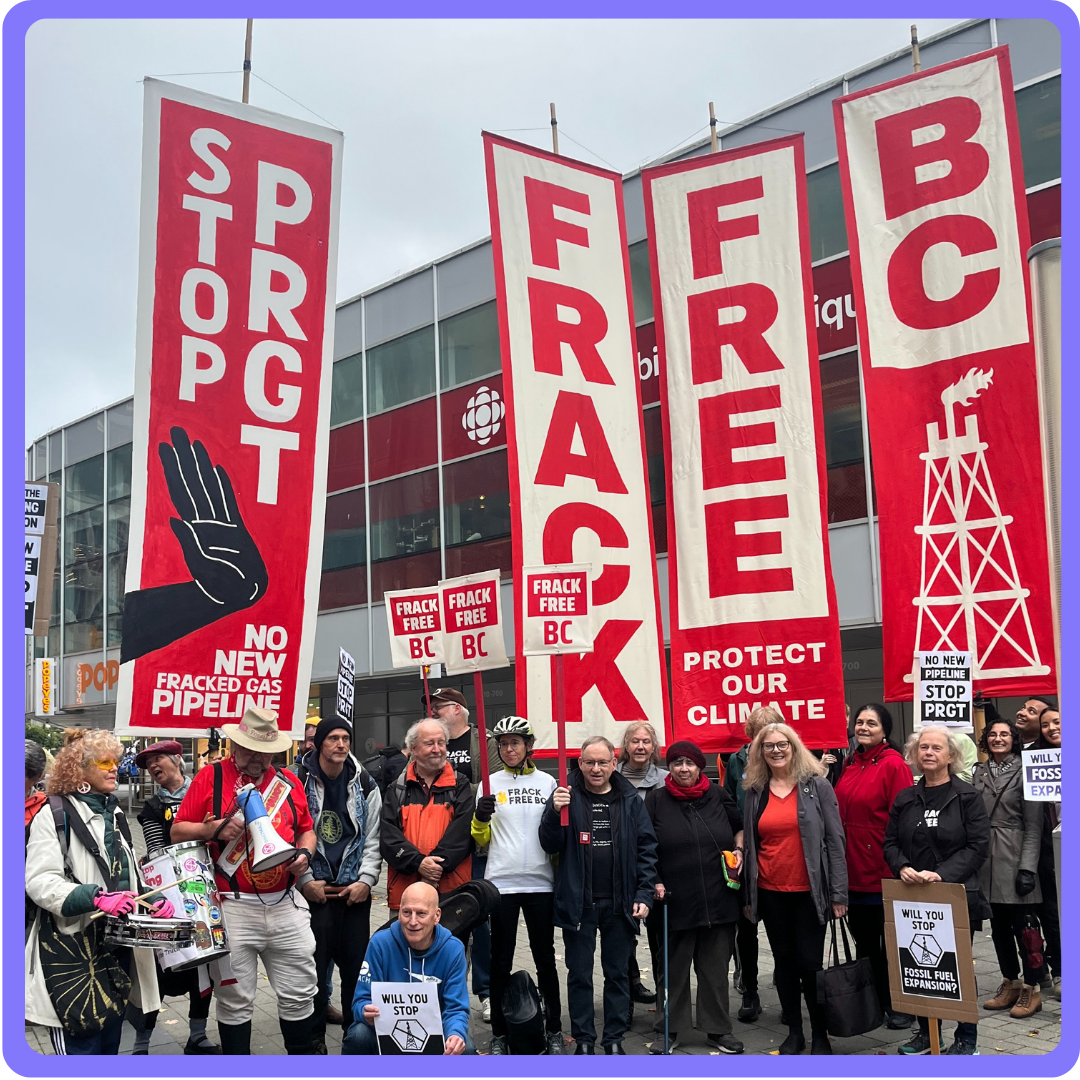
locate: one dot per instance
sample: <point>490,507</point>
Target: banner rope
<point>292,99</point>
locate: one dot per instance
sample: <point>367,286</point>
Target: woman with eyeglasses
<point>77,985</point>
<point>874,775</point>
<point>795,876</point>
<point>695,823</point>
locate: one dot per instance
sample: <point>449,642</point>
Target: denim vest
<point>358,815</point>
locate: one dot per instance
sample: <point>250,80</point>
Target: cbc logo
<point>483,415</point>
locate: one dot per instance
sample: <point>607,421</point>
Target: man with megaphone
<point>256,822</point>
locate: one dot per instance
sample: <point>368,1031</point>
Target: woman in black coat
<point>695,823</point>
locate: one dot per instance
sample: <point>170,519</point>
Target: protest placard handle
<point>560,724</point>
<point>481,724</point>
<point>427,691</point>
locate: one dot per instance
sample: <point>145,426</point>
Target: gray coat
<point>1015,834</point>
<point>822,840</point>
<point>654,778</point>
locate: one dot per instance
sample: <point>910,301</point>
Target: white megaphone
<point>267,848</point>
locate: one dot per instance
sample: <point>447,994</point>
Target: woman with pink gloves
<point>77,985</point>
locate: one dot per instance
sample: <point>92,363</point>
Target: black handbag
<point>847,992</point>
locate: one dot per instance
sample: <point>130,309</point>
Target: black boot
<point>640,993</point>
<point>795,1043</point>
<point>296,1034</point>
<point>235,1038</point>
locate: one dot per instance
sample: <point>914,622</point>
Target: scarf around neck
<point>695,791</point>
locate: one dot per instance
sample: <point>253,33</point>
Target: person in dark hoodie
<point>605,879</point>
<point>415,946</point>
<point>346,806</point>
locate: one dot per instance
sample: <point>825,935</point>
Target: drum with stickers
<point>170,936</point>
<point>189,871</point>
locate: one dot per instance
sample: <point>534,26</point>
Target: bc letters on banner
<point>938,231</point>
<point>558,616</point>
<point>472,622</point>
<point>578,486</point>
<point>234,344</point>
<point>753,609</point>
<point>415,624</point>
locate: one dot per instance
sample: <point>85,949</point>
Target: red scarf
<point>695,791</point>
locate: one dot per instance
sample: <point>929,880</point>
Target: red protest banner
<point>937,225</point>
<point>753,608</point>
<point>232,405</point>
<point>576,443</point>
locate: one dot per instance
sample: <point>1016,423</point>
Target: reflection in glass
<point>469,345</point>
<point>85,485</point>
<point>405,516</point>
<point>843,437</point>
<point>825,204</point>
<point>347,395</point>
<point>345,542</point>
<point>401,370</point>
<point>477,496</point>
<point>641,281</point>
<point>1038,111</point>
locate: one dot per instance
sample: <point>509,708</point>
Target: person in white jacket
<point>507,822</point>
<point>83,1008</point>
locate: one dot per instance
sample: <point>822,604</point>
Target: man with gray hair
<point>427,817</point>
<point>605,879</point>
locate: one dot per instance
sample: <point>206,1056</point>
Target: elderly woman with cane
<point>80,864</point>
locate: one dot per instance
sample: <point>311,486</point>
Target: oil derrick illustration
<point>970,594</point>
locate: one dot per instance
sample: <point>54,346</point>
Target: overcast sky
<point>411,98</point>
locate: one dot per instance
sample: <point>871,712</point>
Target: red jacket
<point>866,791</point>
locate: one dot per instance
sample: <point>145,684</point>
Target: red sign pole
<point>560,725</point>
<point>481,724</point>
<point>427,691</point>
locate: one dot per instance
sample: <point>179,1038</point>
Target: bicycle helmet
<point>513,725</point>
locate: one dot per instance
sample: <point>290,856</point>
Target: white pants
<point>282,936</point>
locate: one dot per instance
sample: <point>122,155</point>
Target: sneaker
<point>726,1044</point>
<point>1006,997</point>
<point>1047,981</point>
<point>485,1009</point>
<point>959,1047</point>
<point>641,994</point>
<point>585,1048</point>
<point>499,1045</point>
<point>614,1048</point>
<point>751,1007</point>
<point>919,1043</point>
<point>1028,1003</point>
<point>795,1043</point>
<point>556,1044</point>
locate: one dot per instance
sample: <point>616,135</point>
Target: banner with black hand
<point>232,408</point>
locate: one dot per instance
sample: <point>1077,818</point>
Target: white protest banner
<point>558,615</point>
<point>1042,775</point>
<point>346,674</point>
<point>472,623</point>
<point>409,1020</point>
<point>943,690</point>
<point>575,435</point>
<point>39,554</point>
<point>416,638</point>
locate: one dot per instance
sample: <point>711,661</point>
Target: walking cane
<point>667,999</point>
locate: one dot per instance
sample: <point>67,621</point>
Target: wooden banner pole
<point>935,1036</point>
<point>247,62</point>
<point>712,129</point>
<point>554,130</point>
<point>481,725</point>
<point>560,724</point>
<point>427,691</point>
<point>917,64</point>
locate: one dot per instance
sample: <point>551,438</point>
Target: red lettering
<point>551,633</point>
<point>545,229</point>
<point>899,157</point>
<point>577,413</point>
<point>559,531</point>
<point>719,438</point>
<point>726,546</point>
<point>562,633</point>
<point>746,335</point>
<point>416,648</point>
<point>708,232</point>
<point>907,284</point>
<point>583,671</point>
<point>549,331</point>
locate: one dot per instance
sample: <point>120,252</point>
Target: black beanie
<point>685,749</point>
<point>331,723</point>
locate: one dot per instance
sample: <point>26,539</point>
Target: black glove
<point>1025,882</point>
<point>485,807</point>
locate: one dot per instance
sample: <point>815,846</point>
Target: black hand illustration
<point>228,573</point>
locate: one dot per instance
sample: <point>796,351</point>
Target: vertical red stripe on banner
<point>938,232</point>
<point>753,609</point>
<point>232,404</point>
<point>576,445</point>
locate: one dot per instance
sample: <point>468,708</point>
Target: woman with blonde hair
<point>795,876</point>
<point>77,985</point>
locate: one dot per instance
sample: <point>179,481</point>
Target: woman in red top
<point>874,775</point>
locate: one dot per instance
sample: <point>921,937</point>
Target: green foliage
<point>44,735</point>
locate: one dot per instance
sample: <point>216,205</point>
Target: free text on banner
<point>578,487</point>
<point>415,625</point>
<point>237,262</point>
<point>753,609</point>
<point>472,622</point>
<point>937,225</point>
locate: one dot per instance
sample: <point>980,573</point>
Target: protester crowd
<point>791,838</point>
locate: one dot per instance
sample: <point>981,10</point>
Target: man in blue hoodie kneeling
<point>416,948</point>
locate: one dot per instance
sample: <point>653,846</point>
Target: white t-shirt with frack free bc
<point>516,861</point>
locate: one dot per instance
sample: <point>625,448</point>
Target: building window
<point>120,424</point>
<point>56,614</point>
<point>469,345</point>
<point>641,281</point>
<point>347,395</point>
<point>119,513</point>
<point>84,439</point>
<point>404,533</point>
<point>40,465</point>
<point>1038,110</point>
<point>345,539</point>
<point>843,437</point>
<point>401,370</point>
<point>477,495</point>
<point>654,457</point>
<point>825,203</point>
<point>84,535</point>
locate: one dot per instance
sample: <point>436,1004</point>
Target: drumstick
<point>153,892</point>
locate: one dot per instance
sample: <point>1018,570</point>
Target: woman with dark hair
<point>875,774</point>
<point>1009,878</point>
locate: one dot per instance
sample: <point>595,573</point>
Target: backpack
<point>464,909</point>
<point>523,1011</point>
<point>385,766</point>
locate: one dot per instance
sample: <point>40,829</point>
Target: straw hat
<point>258,730</point>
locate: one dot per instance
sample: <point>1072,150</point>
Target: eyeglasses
<point>596,764</point>
<point>769,747</point>
<point>107,765</point>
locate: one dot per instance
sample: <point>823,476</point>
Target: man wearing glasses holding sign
<point>607,869</point>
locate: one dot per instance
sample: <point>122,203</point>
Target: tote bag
<point>847,992</point>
